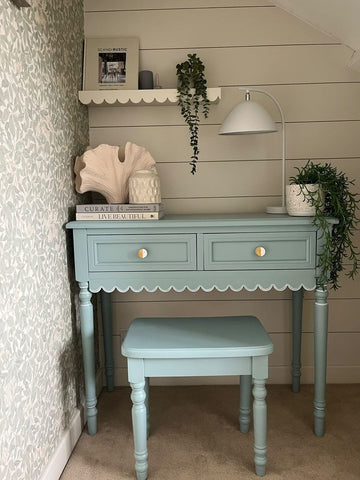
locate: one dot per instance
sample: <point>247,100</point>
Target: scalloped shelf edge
<point>166,96</point>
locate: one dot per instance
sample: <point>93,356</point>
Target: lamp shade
<point>247,117</point>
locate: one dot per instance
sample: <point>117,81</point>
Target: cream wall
<point>241,43</point>
<point>43,127</point>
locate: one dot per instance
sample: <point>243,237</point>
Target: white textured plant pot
<point>144,187</point>
<point>297,204</point>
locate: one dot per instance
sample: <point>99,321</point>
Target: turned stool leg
<point>138,396</point>
<point>260,420</point>
<point>245,400</point>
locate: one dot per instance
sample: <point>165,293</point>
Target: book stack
<point>120,211</point>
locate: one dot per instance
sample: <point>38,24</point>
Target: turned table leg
<point>108,347</point>
<point>297,309</point>
<point>320,361</point>
<point>245,403</point>
<point>87,338</point>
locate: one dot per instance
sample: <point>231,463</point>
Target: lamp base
<point>280,210</point>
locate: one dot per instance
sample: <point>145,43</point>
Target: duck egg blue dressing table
<point>225,251</point>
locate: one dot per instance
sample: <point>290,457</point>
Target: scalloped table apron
<point>207,252</point>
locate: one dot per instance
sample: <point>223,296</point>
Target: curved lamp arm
<point>251,89</point>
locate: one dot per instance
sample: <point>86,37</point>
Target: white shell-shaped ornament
<point>106,169</point>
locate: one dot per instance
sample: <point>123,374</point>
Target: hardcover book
<point>119,207</point>
<point>119,216</point>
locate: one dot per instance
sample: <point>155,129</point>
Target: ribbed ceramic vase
<point>297,204</point>
<point>144,187</point>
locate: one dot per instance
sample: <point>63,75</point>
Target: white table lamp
<point>250,117</point>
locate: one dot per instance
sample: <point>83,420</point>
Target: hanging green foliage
<point>192,98</point>
<point>337,201</point>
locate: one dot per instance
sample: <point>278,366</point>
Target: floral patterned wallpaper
<point>42,129</point>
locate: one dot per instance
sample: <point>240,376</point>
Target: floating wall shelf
<point>138,97</point>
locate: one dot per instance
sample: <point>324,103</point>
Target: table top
<point>201,220</point>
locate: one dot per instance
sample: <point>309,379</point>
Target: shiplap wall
<point>241,43</point>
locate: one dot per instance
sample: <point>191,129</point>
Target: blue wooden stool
<point>199,346</point>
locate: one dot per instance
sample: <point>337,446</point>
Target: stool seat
<point>198,346</point>
<point>196,337</point>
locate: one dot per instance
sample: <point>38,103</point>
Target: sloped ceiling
<point>339,19</point>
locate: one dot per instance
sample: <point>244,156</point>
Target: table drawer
<point>251,251</point>
<point>159,252</point>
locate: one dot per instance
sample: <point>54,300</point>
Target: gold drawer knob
<point>260,251</point>
<point>142,253</point>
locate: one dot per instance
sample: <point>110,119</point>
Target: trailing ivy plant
<point>339,202</point>
<point>192,98</point>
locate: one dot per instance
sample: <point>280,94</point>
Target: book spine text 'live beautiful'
<point>119,216</point>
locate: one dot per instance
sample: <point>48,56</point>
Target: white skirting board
<point>71,435</point>
<point>66,445</point>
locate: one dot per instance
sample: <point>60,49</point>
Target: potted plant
<point>334,199</point>
<point>192,98</point>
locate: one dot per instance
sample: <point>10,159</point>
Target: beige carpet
<point>194,436</point>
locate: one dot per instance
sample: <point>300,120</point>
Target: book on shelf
<point>119,216</point>
<point>119,207</point>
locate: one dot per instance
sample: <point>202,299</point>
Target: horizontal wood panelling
<point>343,349</point>
<point>304,140</point>
<point>116,5</point>
<point>274,314</point>
<point>237,178</point>
<point>220,205</point>
<point>258,65</point>
<point>124,313</point>
<point>244,27</point>
<point>343,316</point>
<point>302,103</point>
<point>241,43</point>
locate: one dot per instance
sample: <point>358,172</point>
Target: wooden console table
<point>200,251</point>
